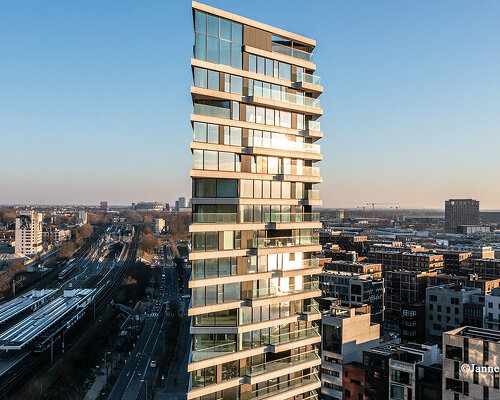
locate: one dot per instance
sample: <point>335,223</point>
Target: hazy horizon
<point>96,105</point>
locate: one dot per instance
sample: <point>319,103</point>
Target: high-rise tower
<point>256,106</point>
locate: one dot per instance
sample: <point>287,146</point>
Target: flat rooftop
<point>480,333</point>
<point>22,303</point>
<point>38,322</point>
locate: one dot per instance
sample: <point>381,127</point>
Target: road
<point>137,376</point>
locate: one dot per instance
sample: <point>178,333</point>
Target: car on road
<point>153,364</point>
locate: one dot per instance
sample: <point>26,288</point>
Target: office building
<point>346,332</point>
<point>353,381</point>
<point>472,280</point>
<point>477,250</point>
<point>429,381</point>
<point>158,225</point>
<point>472,229</point>
<point>104,205</point>
<point>460,212</point>
<point>403,367</point>
<point>492,310</point>
<point>148,206</point>
<point>253,241</point>
<point>392,370</point>
<point>82,217</point>
<point>456,262</point>
<point>475,347</point>
<point>374,270</point>
<point>355,289</point>
<point>445,309</point>
<point>59,235</point>
<point>488,268</point>
<point>412,322</point>
<point>402,287</point>
<point>391,260</point>
<point>29,235</point>
<point>348,241</point>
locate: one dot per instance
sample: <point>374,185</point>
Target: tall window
<point>218,40</point>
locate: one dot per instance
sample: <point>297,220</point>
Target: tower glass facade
<point>255,110</point>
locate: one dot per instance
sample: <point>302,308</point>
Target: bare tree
<point>67,250</point>
<point>86,231</point>
<point>15,267</point>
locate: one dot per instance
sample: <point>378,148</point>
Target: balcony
<point>279,291</point>
<point>288,241</point>
<point>279,95</point>
<point>213,351</point>
<point>313,195</point>
<point>281,144</point>
<point>312,308</point>
<point>313,126</point>
<point>294,336</point>
<point>309,78</point>
<point>299,170</point>
<point>215,218</point>
<point>290,361</point>
<point>303,383</point>
<point>233,218</point>
<point>212,111</point>
<point>291,52</point>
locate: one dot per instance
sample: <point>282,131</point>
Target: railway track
<point>107,286</point>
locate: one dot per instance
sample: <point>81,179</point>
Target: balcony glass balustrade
<point>280,95</point>
<point>212,111</point>
<point>313,126</point>
<point>270,366</point>
<point>281,144</point>
<point>289,51</point>
<point>312,194</point>
<point>294,336</point>
<point>312,308</point>
<point>299,170</point>
<point>279,291</point>
<point>213,351</point>
<point>308,78</point>
<point>228,218</point>
<point>282,386</point>
<point>282,241</point>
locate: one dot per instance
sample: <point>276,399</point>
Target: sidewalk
<point>95,389</point>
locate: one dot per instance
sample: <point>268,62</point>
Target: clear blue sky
<point>95,104</point>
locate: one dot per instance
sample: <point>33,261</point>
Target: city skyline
<point>101,98</point>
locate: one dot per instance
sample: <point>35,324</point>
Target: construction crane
<point>363,207</point>
<point>379,204</point>
<point>397,211</point>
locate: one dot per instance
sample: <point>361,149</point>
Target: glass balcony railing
<point>211,111</point>
<point>213,351</point>
<point>282,386</point>
<point>312,308</point>
<point>282,241</point>
<point>215,218</point>
<point>231,218</point>
<point>281,144</point>
<point>291,217</point>
<point>280,95</point>
<point>313,126</point>
<point>289,51</point>
<point>308,78</point>
<point>294,336</point>
<point>312,194</point>
<point>260,369</point>
<point>279,291</point>
<point>299,170</point>
<point>310,263</point>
